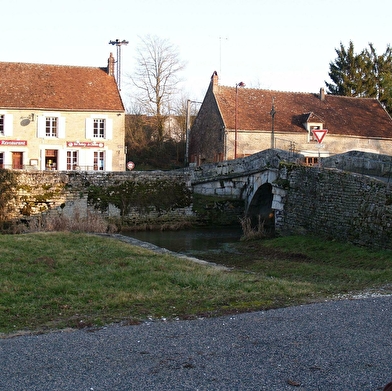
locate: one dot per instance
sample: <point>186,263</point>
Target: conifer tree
<point>366,74</point>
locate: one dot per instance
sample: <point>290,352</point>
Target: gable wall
<point>207,136</point>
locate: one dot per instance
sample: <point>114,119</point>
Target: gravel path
<point>337,345</point>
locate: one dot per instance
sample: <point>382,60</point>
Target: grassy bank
<point>57,280</point>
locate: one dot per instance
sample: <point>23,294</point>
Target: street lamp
<point>272,113</point>
<point>240,84</point>
<point>118,43</point>
<point>188,128</point>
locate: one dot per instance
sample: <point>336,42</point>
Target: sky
<point>283,45</point>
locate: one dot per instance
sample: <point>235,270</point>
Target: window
<point>311,135</point>
<point>1,159</point>
<point>72,160</point>
<point>99,128</point>
<point>99,160</point>
<point>1,125</point>
<point>311,161</point>
<point>51,159</point>
<point>51,127</point>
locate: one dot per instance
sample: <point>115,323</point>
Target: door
<point>51,159</point>
<point>17,160</point>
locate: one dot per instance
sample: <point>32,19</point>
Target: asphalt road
<point>337,345</point>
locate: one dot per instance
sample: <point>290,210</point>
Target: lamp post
<point>188,128</point>
<point>118,43</point>
<point>272,113</point>
<point>240,84</point>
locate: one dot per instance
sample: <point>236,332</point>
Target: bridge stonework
<point>330,202</point>
<point>327,200</point>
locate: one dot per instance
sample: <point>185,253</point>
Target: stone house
<point>235,122</point>
<point>55,117</point>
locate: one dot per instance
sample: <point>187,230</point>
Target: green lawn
<point>56,280</point>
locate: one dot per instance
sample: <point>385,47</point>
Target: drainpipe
<point>272,113</point>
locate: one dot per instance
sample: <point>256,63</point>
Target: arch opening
<point>260,210</point>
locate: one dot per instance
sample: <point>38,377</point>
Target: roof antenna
<point>118,43</point>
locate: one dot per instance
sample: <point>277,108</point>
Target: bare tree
<point>156,77</point>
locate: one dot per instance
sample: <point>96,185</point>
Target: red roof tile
<point>341,115</point>
<point>57,87</point>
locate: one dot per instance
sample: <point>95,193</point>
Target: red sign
<point>130,165</point>
<point>14,143</point>
<point>84,144</point>
<point>319,134</point>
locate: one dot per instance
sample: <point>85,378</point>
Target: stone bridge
<point>254,180</point>
<point>349,197</point>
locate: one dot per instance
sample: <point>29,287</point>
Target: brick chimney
<point>111,62</point>
<point>322,94</point>
<point>214,81</point>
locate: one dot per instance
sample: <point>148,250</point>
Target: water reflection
<point>191,241</point>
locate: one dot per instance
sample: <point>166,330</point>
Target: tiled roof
<point>341,115</point>
<point>57,87</point>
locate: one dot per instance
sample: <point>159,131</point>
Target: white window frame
<point>74,159</point>
<point>60,125</point>
<point>8,124</point>
<point>101,163</point>
<point>108,132</point>
<point>313,126</point>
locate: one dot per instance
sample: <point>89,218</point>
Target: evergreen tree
<point>345,72</point>
<point>366,74</point>
<point>380,75</point>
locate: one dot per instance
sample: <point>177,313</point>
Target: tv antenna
<point>118,43</point>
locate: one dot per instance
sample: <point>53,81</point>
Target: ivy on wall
<point>161,195</point>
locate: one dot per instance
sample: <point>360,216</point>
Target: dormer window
<point>311,136</point>
<point>312,122</point>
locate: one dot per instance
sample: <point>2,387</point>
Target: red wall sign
<point>14,143</point>
<point>84,144</point>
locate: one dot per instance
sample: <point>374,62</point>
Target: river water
<point>191,242</point>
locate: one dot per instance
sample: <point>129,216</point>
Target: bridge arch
<point>260,208</point>
<point>259,198</point>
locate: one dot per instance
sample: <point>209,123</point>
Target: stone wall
<point>373,164</point>
<point>38,193</point>
<point>339,205</point>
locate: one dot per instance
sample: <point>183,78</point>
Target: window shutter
<point>89,128</point>
<point>89,160</point>
<point>62,160</point>
<point>61,130</point>
<point>109,129</point>
<point>8,124</point>
<point>108,160</point>
<point>41,123</point>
